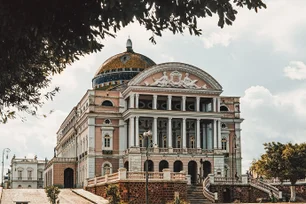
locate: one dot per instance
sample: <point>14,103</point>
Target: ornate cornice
<point>148,89</point>
<point>169,113</point>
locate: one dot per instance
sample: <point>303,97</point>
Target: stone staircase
<point>195,195</point>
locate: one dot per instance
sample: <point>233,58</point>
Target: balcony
<point>24,179</point>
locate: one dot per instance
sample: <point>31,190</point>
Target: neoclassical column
<point>137,101</point>
<point>184,132</point>
<point>215,134</point>
<point>137,130</point>
<point>154,103</point>
<point>131,131</point>
<point>214,105</point>
<point>169,102</point>
<point>132,99</point>
<point>155,131</point>
<point>204,129</point>
<point>198,103</point>
<point>170,132</point>
<point>218,104</point>
<point>219,135</point>
<point>198,133</point>
<point>183,108</point>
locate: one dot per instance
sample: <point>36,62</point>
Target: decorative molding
<point>179,67</point>
<point>176,81</point>
<point>149,89</point>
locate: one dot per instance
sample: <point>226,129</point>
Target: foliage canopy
<point>282,161</point>
<point>52,193</point>
<point>39,38</point>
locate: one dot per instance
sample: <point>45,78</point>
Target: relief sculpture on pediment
<point>176,81</point>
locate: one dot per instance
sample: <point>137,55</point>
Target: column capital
<point>198,119</point>
<point>155,96</point>
<point>183,118</point>
<point>155,117</point>
<point>184,97</point>
<point>169,118</point>
<point>137,117</point>
<point>169,96</point>
<point>137,94</point>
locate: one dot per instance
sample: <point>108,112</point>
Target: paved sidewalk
<point>38,196</point>
<point>35,196</point>
<point>66,196</point>
<point>90,196</point>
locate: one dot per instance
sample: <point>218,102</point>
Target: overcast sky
<point>260,58</point>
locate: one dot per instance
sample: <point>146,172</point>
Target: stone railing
<point>266,187</point>
<point>122,174</point>
<point>207,194</point>
<point>243,179</point>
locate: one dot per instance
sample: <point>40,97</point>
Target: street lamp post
<point>147,136</point>
<point>234,170</point>
<point>7,150</point>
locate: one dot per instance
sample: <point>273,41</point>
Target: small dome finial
<point>129,45</point>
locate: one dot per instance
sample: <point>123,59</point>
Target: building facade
<point>193,127</point>
<point>26,173</point>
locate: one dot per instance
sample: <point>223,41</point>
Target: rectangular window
<point>224,144</point>
<point>29,175</point>
<point>19,175</point>
<point>107,142</point>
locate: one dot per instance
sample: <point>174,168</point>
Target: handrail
<point>266,187</point>
<point>207,194</point>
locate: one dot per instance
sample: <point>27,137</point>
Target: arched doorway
<point>177,166</point>
<point>150,165</point>
<point>206,168</point>
<point>226,195</point>
<point>68,178</point>
<point>126,165</point>
<point>192,171</point>
<point>163,165</point>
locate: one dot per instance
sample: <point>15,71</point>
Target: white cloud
<point>277,25</point>
<point>216,38</point>
<point>271,117</point>
<point>295,70</point>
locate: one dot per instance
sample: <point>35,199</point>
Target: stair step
<point>195,195</point>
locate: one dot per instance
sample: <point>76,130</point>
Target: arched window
<point>223,108</point>
<point>224,143</point>
<point>107,103</point>
<point>106,168</point>
<point>150,165</point>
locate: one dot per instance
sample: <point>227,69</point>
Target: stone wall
<point>58,176</point>
<point>244,193</point>
<point>134,192</point>
<point>300,191</point>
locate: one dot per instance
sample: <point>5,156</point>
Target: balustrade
<point>209,195</point>
<point>138,176</point>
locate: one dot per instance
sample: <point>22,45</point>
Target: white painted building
<point>27,173</point>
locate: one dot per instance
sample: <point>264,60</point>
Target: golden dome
<point>125,60</point>
<point>121,68</point>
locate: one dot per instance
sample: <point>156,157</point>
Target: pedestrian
<point>272,198</point>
